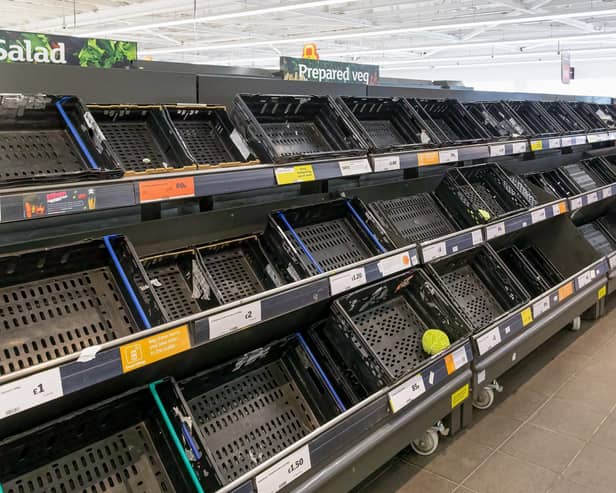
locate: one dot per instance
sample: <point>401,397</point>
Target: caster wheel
<point>426,444</point>
<point>485,398</point>
<point>576,324</point>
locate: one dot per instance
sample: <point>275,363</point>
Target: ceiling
<point>401,37</point>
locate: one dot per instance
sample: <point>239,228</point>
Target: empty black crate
<point>141,138</point>
<point>389,124</point>
<point>480,284</point>
<point>498,119</point>
<point>412,219</point>
<point>535,118</point>
<point>309,240</point>
<point>599,238</point>
<point>209,136</point>
<point>482,193</point>
<point>594,116</point>
<point>583,177</point>
<point>565,116</point>
<point>46,139</point>
<point>378,329</point>
<point>555,182</point>
<point>449,120</point>
<point>61,300</point>
<point>251,408</point>
<point>601,168</point>
<point>534,271</point>
<point>296,128</point>
<point>120,445</point>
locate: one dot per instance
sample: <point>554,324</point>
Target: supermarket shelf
<point>588,198</point>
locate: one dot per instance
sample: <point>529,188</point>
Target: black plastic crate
<point>598,236</point>
<point>141,138</point>
<point>237,268</point>
<point>480,284</point>
<point>50,139</point>
<point>534,116</point>
<point>555,182</point>
<point>389,124</point>
<point>609,224</point>
<point>595,116</point>
<point>601,168</point>
<point>378,329</point>
<point>468,193</point>
<point>565,116</point>
<point>249,409</point>
<point>582,176</point>
<point>532,268</point>
<point>450,121</point>
<point>296,128</point>
<point>412,219</point>
<point>309,240</point>
<point>61,300</point>
<point>498,119</point>
<point>209,136</point>
<point>122,445</point>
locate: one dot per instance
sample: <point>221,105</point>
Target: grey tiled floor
<point>553,429</point>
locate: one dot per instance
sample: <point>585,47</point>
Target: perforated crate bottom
<point>293,138</point>
<point>27,153</point>
<point>252,418</point>
<point>486,195</point>
<point>415,218</point>
<point>231,273</point>
<point>203,141</point>
<point>134,145</point>
<point>581,177</point>
<point>393,330</point>
<point>333,244</point>
<point>597,238</point>
<point>173,290</point>
<point>472,295</point>
<point>125,462</point>
<point>50,318</point>
<point>446,129</point>
<point>382,132</point>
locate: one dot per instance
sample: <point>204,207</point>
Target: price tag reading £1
<point>281,474</point>
<point>29,392</point>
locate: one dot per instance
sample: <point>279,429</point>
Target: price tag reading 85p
<point>235,318</point>
<point>281,474</point>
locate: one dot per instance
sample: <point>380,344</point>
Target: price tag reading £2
<point>406,393</point>
<point>281,474</point>
<point>347,280</point>
<point>30,391</point>
<point>235,318</point>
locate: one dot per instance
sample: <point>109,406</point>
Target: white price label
<point>394,264</point>
<point>566,142</point>
<point>537,216</point>
<point>354,167</point>
<point>405,393</point>
<point>488,340</point>
<point>606,192</point>
<point>448,156</point>
<point>281,474</point>
<point>386,163</point>
<point>477,237</point>
<point>575,203</point>
<point>612,135</point>
<point>612,262</point>
<point>29,392</point>
<point>240,143</point>
<point>497,150</point>
<point>603,137</point>
<point>481,376</point>
<point>459,358</point>
<point>555,209</point>
<point>579,140</point>
<point>584,279</point>
<point>554,143</point>
<point>541,306</point>
<point>495,230</point>
<point>519,147</point>
<point>436,250</point>
<point>344,281</point>
<point>592,197</point>
<point>236,318</point>
<point>592,138</point>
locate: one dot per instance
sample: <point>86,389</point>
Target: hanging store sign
<point>565,67</point>
<point>22,47</point>
<point>328,71</point>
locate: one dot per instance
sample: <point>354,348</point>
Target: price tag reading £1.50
<point>281,474</point>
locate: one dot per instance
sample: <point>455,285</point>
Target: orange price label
<point>565,291</point>
<point>562,207</point>
<point>140,353</point>
<point>427,158</point>
<point>168,188</point>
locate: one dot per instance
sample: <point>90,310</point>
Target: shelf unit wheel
<point>427,443</point>
<point>576,324</point>
<point>485,399</point>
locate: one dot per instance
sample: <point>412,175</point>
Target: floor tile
<point>564,485</point>
<point>505,474</point>
<point>520,404</point>
<point>405,478</point>
<point>549,378</point>
<point>545,448</point>
<point>455,459</point>
<point>493,429</point>
<point>569,417</point>
<point>606,435</point>
<point>597,394</point>
<point>594,468</point>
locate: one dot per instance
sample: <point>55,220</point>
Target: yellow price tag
<point>527,316</point>
<point>459,396</point>
<point>295,174</point>
<point>602,292</point>
<point>427,158</point>
<point>536,145</point>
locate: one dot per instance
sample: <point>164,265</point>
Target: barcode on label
<point>29,392</point>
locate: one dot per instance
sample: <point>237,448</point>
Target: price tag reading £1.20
<point>344,281</point>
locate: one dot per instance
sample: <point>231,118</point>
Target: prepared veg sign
<point>328,71</point>
<point>21,47</point>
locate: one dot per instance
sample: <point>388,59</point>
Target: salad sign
<point>21,47</point>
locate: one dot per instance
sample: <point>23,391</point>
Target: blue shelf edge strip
<point>301,243</point>
<point>75,134</point>
<point>365,227</point>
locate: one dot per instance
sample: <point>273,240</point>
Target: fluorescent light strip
<point>219,17</point>
<point>363,34</point>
